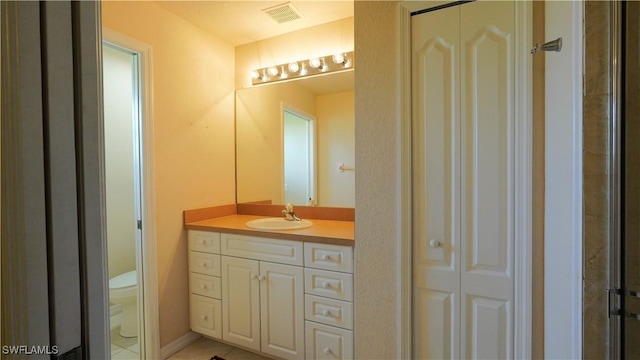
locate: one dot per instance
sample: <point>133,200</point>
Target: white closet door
<point>463,180</point>
<point>487,197</point>
<point>436,184</point>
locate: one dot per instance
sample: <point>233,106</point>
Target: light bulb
<point>338,59</point>
<point>255,74</point>
<point>315,63</point>
<point>294,67</point>
<point>273,71</point>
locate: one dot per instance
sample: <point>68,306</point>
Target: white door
<point>488,179</point>
<point>463,108</point>
<point>282,310</point>
<point>299,154</point>
<point>436,192</point>
<point>241,302</point>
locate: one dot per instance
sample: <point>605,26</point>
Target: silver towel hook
<point>554,45</point>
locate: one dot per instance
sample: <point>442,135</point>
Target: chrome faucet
<point>289,215</point>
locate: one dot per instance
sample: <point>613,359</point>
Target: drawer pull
<point>203,264</point>
<point>325,285</point>
<point>326,351</point>
<point>326,257</point>
<point>254,277</point>
<point>261,277</point>
<point>203,287</point>
<point>326,312</point>
<point>204,317</point>
<point>201,242</point>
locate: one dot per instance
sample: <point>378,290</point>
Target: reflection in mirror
<point>299,157</point>
<point>265,173</point>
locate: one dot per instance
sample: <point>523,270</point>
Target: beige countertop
<point>322,231</point>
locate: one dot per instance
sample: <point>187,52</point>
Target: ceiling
<point>239,22</point>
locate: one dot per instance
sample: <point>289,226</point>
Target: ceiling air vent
<point>283,13</point>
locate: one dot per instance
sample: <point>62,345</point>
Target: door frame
<point>563,218</point>
<point>523,250</point>
<point>146,258</point>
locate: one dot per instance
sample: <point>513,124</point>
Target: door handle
<point>632,315</point>
<point>632,293</point>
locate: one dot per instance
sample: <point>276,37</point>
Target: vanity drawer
<point>327,342</point>
<point>205,285</point>
<point>328,311</point>
<point>204,241</point>
<point>257,248</point>
<point>328,257</point>
<point>206,316</point>
<point>203,263</point>
<point>331,284</point>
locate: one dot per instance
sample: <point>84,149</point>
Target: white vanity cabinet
<point>262,294</point>
<point>288,299</point>
<point>328,301</point>
<point>205,307</point>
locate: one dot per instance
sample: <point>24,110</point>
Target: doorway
<point>624,293</point>
<point>130,203</point>
<point>123,197</point>
<point>299,157</point>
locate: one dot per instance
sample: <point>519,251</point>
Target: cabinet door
<point>282,310</point>
<point>241,302</point>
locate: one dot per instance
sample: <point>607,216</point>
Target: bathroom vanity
<point>288,294</point>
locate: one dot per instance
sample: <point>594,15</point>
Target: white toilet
<point>123,291</point>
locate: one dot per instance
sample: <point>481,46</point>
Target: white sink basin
<point>278,224</point>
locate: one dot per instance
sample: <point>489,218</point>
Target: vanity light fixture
<point>297,69</point>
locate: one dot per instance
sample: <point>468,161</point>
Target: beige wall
<point>326,39</point>
<point>336,117</point>
<point>377,140</point>
<point>193,124</point>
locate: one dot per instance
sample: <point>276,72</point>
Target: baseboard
<point>178,344</point>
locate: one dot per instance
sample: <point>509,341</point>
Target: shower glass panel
<point>630,202</point>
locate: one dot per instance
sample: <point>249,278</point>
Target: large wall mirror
<point>295,142</point>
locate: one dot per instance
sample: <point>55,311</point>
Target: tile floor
<point>123,348</point>
<point>205,349</point>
